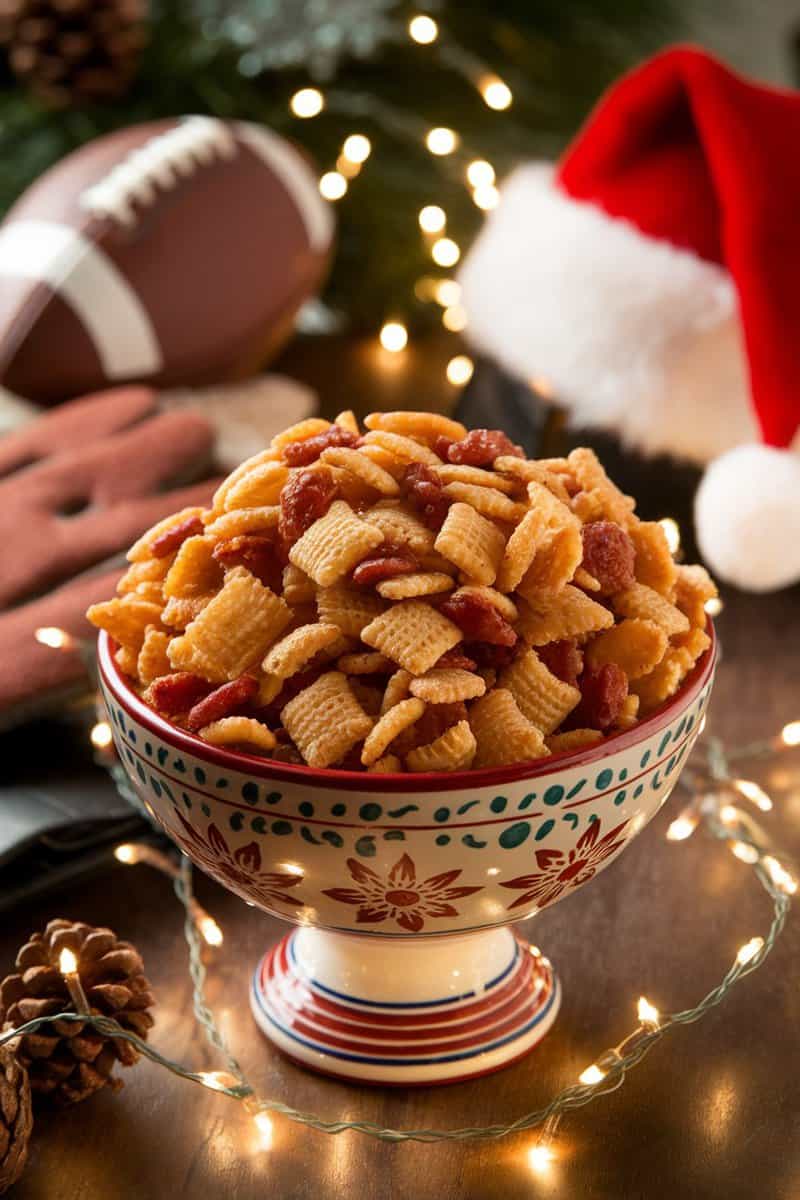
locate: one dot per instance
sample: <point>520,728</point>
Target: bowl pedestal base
<point>405,1011</point>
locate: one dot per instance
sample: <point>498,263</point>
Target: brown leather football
<point>173,252</point>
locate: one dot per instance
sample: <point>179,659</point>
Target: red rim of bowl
<point>267,768</point>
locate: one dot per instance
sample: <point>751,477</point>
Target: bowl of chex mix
<point>403,686</point>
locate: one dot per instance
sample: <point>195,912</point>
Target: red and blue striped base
<point>431,1039</point>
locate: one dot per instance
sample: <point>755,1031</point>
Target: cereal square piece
<point>610,502</point>
<point>502,734</point>
<point>298,647</point>
<point>178,613</point>
<point>194,572</point>
<point>325,720</point>
<point>412,634</point>
<point>556,561</point>
<point>150,570</point>
<point>521,548</point>
<point>417,583</point>
<point>400,525</point>
<point>233,631</point>
<point>244,520</point>
<point>635,645</point>
<point>446,685</point>
<point>239,731</point>
<point>347,420</point>
<point>547,617</point>
<point>389,726</point>
<point>573,739</point>
<point>477,476</point>
<point>663,682</point>
<point>628,714</point>
<point>642,601</point>
<point>221,494</point>
<point>488,501</point>
<point>359,464</point>
<point>334,544</point>
<point>259,487</point>
<point>390,764</point>
<point>396,689</point>
<point>365,662</point>
<point>694,587</point>
<point>472,543</point>
<point>404,449</point>
<point>425,426</point>
<point>695,642</point>
<point>297,587</point>
<point>153,661</point>
<point>126,619</point>
<point>300,432</point>
<point>542,698</point>
<point>654,565</point>
<point>453,750</point>
<point>525,471</point>
<point>350,608</point>
<point>504,604</point>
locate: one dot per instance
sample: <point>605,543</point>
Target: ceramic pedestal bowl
<point>403,967</point>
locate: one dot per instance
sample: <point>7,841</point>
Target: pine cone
<point>69,1060</point>
<point>73,52</point>
<point>16,1121</point>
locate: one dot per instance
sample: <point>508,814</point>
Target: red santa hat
<point>652,281</point>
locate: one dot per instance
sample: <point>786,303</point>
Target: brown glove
<point>76,488</point>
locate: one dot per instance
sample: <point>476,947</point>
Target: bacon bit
<point>479,620</point>
<point>564,659</point>
<point>304,499</point>
<point>441,446</point>
<point>486,655</point>
<point>177,693</point>
<point>455,660</point>
<point>481,447</point>
<point>392,561</point>
<point>608,555</point>
<point>425,490</point>
<point>435,721</point>
<point>172,539</point>
<point>224,701</point>
<point>300,454</point>
<point>603,693</point>
<point>255,552</point>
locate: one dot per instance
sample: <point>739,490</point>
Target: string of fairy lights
<point>721,802</point>
<point>479,177</point>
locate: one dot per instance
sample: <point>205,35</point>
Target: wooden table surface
<point>713,1112</point>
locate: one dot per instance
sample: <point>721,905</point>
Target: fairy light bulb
<point>672,533</point>
<point>713,606</point>
<point>441,141</point>
<point>210,931</point>
<point>445,252</point>
<point>784,881</point>
<point>682,827</point>
<point>486,196</point>
<point>308,102</point>
<point>541,1157</point>
<point>423,30</point>
<point>744,852</point>
<point>357,148</point>
<point>126,854</point>
<point>480,173</point>
<point>218,1081</point>
<point>749,950</point>
<point>263,1124</point>
<point>790,734</point>
<point>101,736</point>
<point>755,794</point>
<point>647,1013</point>
<point>67,962</point>
<point>52,636</point>
<point>592,1075</point>
<point>447,292</point>
<point>454,318</point>
<point>394,337</point>
<point>496,94</point>
<point>432,218</point>
<point>332,185</point>
<point>729,814</point>
<point>459,370</point>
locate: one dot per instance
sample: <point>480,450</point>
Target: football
<point>172,252</point>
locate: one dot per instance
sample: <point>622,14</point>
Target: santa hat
<point>651,280</point>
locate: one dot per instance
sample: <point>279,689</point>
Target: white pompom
<point>747,513</point>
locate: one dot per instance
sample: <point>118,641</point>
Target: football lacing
<point>158,164</point>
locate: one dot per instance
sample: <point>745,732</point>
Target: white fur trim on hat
<point>747,514</point>
<point>630,333</point>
